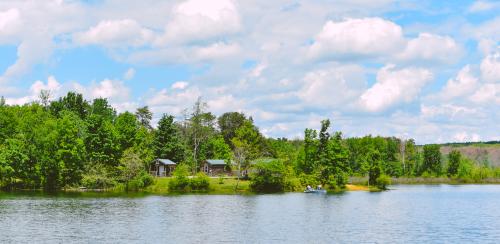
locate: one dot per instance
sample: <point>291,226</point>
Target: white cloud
<point>196,20</point>
<point>430,47</point>
<point>488,94</point>
<point>52,85</point>
<point>483,5</point>
<point>463,83</point>
<point>172,102</point>
<point>9,24</point>
<point>334,86</point>
<point>394,86</point>
<point>466,137</point>
<point>129,74</point>
<point>115,33</point>
<point>181,85</point>
<point>487,30</point>
<point>354,38</point>
<point>115,90</point>
<point>215,51</point>
<point>447,110</point>
<point>490,68</point>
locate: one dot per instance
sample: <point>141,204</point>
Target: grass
<point>227,187</point>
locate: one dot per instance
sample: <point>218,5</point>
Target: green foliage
<point>167,142</point>
<point>432,159</point>
<point>180,180</point>
<point>268,177</point>
<point>228,124</point>
<point>383,181</point>
<point>181,183</point>
<point>454,159</point>
<point>200,182</point>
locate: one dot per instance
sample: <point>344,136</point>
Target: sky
<point>428,70</point>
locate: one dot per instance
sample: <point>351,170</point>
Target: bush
<point>308,180</point>
<point>180,181</point>
<point>383,181</point>
<point>200,182</point>
<point>269,177</point>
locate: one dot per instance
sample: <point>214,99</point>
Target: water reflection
<point>407,214</point>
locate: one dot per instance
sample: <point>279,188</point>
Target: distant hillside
<point>488,152</point>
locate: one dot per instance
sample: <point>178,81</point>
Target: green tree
<point>70,148</point>
<point>228,124</point>
<point>101,107</point>
<point>101,141</point>
<point>269,177</point>
<point>200,128</point>
<point>167,142</point>
<point>432,159</point>
<point>126,126</point>
<point>309,164</point>
<point>144,115</point>
<point>73,102</point>
<point>454,159</point>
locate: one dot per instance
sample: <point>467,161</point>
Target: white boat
<point>314,191</point>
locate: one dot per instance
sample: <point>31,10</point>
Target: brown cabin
<point>213,167</point>
<point>162,167</point>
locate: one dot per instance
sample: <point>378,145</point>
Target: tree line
<point>72,142</point>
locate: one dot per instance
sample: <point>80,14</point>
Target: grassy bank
<point>427,180</point>
<point>217,186</point>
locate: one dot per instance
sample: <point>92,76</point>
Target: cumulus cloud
<point>197,20</point>
<point>483,5</point>
<point>488,94</point>
<point>115,33</point>
<point>464,83</point>
<point>353,38</point>
<point>394,86</point>
<point>181,85</point>
<point>52,86</point>
<point>9,25</point>
<point>429,47</point>
<point>332,87</point>
<point>115,90</point>
<point>463,136</point>
<point>490,68</point>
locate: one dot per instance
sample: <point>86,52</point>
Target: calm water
<point>407,214</point>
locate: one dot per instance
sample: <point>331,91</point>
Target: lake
<point>405,214</point>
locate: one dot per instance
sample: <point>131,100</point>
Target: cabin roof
<point>216,161</point>
<point>262,160</point>
<point>165,161</point>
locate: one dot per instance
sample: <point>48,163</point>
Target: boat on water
<point>314,191</point>
<point>318,189</point>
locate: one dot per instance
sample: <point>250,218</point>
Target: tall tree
<point>126,126</point>
<point>73,102</point>
<point>228,124</point>
<point>101,107</point>
<point>201,126</point>
<point>167,141</point>
<point>101,141</point>
<point>432,159</point>
<point>144,115</point>
<point>454,159</point>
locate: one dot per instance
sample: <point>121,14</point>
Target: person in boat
<point>309,188</point>
<point>318,187</point>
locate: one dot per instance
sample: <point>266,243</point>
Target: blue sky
<point>428,70</point>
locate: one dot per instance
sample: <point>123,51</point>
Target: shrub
<point>269,177</point>
<point>383,181</point>
<point>200,182</point>
<point>180,180</point>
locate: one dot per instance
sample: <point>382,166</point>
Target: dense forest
<point>72,142</point>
